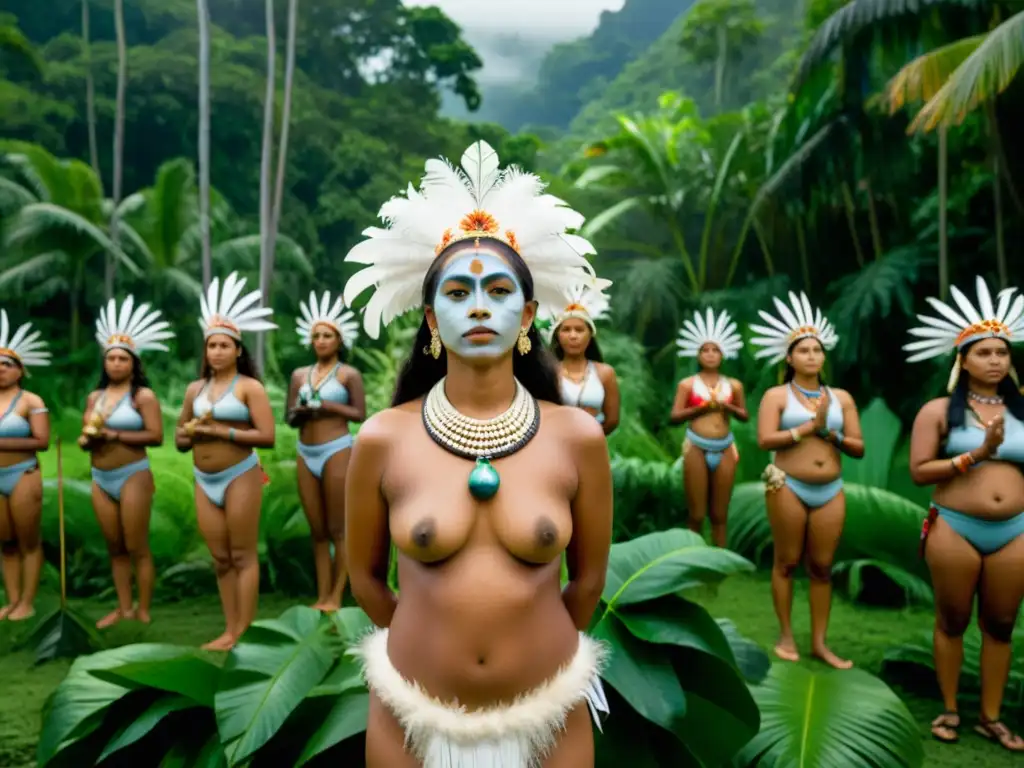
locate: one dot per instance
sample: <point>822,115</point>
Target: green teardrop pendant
<point>483,480</point>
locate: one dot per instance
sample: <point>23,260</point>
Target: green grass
<point>862,634</point>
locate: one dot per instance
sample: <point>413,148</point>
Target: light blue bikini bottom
<point>713,447</point>
<point>316,456</point>
<point>215,484</point>
<point>815,495</point>
<point>9,476</point>
<point>111,481</point>
<point>986,536</point>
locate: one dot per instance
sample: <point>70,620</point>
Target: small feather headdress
<point>586,301</point>
<point>953,330</point>
<point>795,322</point>
<point>707,328</point>
<point>222,311</point>
<point>24,346</point>
<point>322,312</point>
<point>477,201</point>
<point>136,329</point>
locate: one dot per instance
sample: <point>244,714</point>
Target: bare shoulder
<point>348,372</point>
<point>844,397</point>
<point>774,395</point>
<point>145,395</point>
<point>685,383</point>
<point>194,388</point>
<point>578,426</point>
<point>33,401</point>
<point>736,384</point>
<point>934,409</point>
<point>604,371</point>
<point>383,427</point>
<point>300,372</point>
<point>90,401</point>
<point>249,384</point>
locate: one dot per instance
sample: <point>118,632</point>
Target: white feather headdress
<point>136,329</point>
<point>586,301</point>
<point>953,330</point>
<point>24,346</point>
<point>795,322</point>
<point>322,312</point>
<point>477,201</point>
<point>709,329</point>
<point>223,312</point>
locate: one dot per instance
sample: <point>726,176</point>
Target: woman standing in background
<point>806,426</point>
<point>587,382</point>
<point>323,399</point>
<point>705,402</point>
<point>226,414</point>
<point>122,418</point>
<point>970,446</point>
<point>24,431</point>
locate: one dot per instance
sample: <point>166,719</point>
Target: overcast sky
<point>511,35</point>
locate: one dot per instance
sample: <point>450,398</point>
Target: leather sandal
<point>947,721</point>
<point>997,731</point>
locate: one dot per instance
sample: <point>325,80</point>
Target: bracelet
<point>963,462</point>
<point>231,434</point>
<point>797,437</point>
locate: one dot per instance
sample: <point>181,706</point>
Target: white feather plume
<point>794,322</point>
<point>708,328</point>
<point>398,255</point>
<point>222,311</point>
<point>24,344</point>
<point>314,312</point>
<point>135,328</point>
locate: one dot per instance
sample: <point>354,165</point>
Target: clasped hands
<point>205,427</point>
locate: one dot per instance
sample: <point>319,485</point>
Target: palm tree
<point>122,77</point>
<point>90,92</point>
<point>54,221</point>
<point>203,13</point>
<point>13,41</point>
<point>266,159</point>
<point>716,32</point>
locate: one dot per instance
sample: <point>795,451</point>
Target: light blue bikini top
<point>589,393</point>
<point>227,408</point>
<point>124,417</point>
<point>12,424</point>
<point>796,413</point>
<point>330,388</point>
<point>972,435</point>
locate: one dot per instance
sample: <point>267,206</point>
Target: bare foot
<point>21,612</point>
<point>330,606</point>
<point>831,659</point>
<point>786,650</point>
<point>319,605</point>
<point>113,618</point>
<point>142,616</point>
<point>6,610</point>
<point>223,643</point>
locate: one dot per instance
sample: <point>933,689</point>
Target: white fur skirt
<point>516,735</point>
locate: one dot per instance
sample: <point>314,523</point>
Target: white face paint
<point>478,290</point>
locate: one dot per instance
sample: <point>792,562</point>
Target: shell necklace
<point>481,439</point>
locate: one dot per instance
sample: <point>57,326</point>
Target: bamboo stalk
<point>60,518</point>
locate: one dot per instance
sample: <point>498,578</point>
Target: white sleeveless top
<point>589,393</point>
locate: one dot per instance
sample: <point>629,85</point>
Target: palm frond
<point>796,161</point>
<point>987,72</point>
<point>13,196</point>
<point>32,268</point>
<point>924,77</point>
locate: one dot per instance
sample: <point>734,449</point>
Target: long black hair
<point>246,366</point>
<point>138,375</point>
<point>956,413</point>
<point>536,370</point>
<point>791,371</point>
<point>592,352</point>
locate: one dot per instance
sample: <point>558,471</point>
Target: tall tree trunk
<point>122,77</point>
<point>720,62</point>
<point>801,244</point>
<point>265,165</point>
<point>876,233</point>
<point>90,94</point>
<point>851,222</point>
<point>943,204</point>
<point>997,194</point>
<point>282,147</point>
<point>203,14</point>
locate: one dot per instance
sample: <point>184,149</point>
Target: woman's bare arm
<point>39,428</point>
<point>680,413</point>
<point>612,399</point>
<point>293,416</point>
<point>769,413</point>
<point>587,554</point>
<point>927,466</point>
<point>355,409</point>
<point>852,441</point>
<point>262,432</point>
<point>367,536</point>
<point>738,407</point>
<point>182,440</point>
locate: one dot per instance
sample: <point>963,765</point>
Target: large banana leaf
<point>833,719</point>
<point>881,429</point>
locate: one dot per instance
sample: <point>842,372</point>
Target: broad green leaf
<point>150,718</point>
<point>346,718</point>
<point>196,753</point>
<point>833,719</point>
<point>74,710</point>
<point>860,573</point>
<point>751,660</point>
<point>63,634</point>
<point>749,530</point>
<point>267,675</point>
<point>351,623</point>
<point>881,429</point>
<point>190,674</point>
<point>675,621</point>
<point>347,676</point>
<point>642,673</point>
<point>665,563</point>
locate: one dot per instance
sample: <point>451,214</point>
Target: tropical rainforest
<point>722,151</point>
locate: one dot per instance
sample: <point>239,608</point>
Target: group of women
<point>485,482</point>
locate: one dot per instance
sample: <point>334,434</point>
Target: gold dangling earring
<point>954,375</point>
<point>523,343</point>
<point>434,350</point>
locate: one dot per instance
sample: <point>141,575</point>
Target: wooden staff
<point>60,519</point>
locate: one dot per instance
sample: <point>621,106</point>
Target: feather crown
<point>952,330</point>
<point>222,311</point>
<point>24,345</point>
<point>474,202</point>
<point>136,329</point>
<point>794,323</point>
<point>586,301</point>
<point>708,328</point>
<point>322,312</point>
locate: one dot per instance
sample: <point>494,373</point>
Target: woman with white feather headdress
<point>323,399</point>
<point>24,432</point>
<point>807,426</point>
<point>587,381</point>
<point>122,419</point>
<point>475,470</point>
<point>970,446</point>
<point>225,416</point>
<point>706,402</point>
